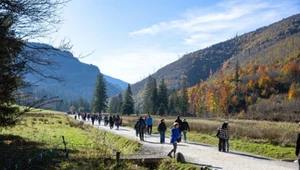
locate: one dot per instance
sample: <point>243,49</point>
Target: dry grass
<point>274,139</point>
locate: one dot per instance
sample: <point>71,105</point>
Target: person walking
<point>105,120</point>
<point>141,126</point>
<point>223,137</point>
<point>99,118</point>
<point>149,124</point>
<point>185,128</point>
<point>297,149</point>
<point>93,118</point>
<point>136,128</point>
<point>162,130</point>
<point>111,122</point>
<point>178,120</point>
<point>118,122</point>
<point>173,138</point>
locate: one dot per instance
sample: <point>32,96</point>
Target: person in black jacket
<point>297,149</point>
<point>178,120</point>
<point>141,126</point>
<point>162,130</point>
<point>223,136</point>
<point>185,128</point>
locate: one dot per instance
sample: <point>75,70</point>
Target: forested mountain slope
<point>276,44</point>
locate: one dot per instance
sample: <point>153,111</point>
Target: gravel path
<point>206,155</point>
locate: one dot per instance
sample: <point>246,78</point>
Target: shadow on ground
<point>21,153</point>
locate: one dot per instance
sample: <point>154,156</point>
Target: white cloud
<point>162,43</point>
<point>199,25</point>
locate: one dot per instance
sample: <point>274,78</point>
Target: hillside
<point>79,79</point>
<point>268,45</point>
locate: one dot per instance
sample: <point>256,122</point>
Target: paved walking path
<point>205,155</point>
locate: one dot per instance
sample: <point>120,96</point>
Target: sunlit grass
<point>41,131</point>
<point>270,139</point>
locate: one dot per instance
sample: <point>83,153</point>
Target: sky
<point>131,39</point>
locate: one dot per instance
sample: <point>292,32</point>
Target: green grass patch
<point>174,165</point>
<point>263,149</point>
<point>36,143</point>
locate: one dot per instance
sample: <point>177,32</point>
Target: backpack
<point>141,124</point>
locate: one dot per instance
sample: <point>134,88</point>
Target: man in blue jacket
<point>149,124</point>
<point>173,139</point>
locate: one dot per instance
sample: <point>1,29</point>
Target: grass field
<point>36,143</point>
<point>270,139</point>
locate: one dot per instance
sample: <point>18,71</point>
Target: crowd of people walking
<point>111,121</point>
<point>144,126</point>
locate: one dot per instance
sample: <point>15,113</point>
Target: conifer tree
<point>128,104</point>
<point>162,97</point>
<point>154,99</point>
<point>184,97</point>
<point>100,96</point>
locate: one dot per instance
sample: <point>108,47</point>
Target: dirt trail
<point>205,155</point>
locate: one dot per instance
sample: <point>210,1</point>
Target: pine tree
<point>184,97</point>
<point>128,104</point>
<point>154,99</point>
<point>174,105</point>
<point>100,96</point>
<point>162,97</point>
<point>120,100</point>
<point>147,104</point>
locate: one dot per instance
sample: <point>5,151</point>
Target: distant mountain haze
<point>79,79</point>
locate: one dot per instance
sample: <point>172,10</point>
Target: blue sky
<point>133,38</point>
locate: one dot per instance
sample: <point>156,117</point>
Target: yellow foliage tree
<point>294,91</point>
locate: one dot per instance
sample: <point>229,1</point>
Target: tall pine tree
<point>154,99</point>
<point>184,97</point>
<point>162,97</point>
<point>147,104</point>
<point>128,104</point>
<point>100,96</point>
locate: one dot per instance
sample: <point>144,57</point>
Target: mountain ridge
<point>79,79</point>
<point>199,65</point>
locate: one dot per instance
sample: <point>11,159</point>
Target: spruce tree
<point>147,103</point>
<point>128,104</point>
<point>154,99</point>
<point>163,97</point>
<point>120,100</point>
<point>100,96</point>
<point>184,97</point>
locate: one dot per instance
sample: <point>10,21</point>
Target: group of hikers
<point>111,120</point>
<point>144,126</point>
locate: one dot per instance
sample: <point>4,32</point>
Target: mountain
<point>273,44</point>
<point>116,82</point>
<point>78,79</point>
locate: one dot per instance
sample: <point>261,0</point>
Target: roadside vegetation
<point>172,164</point>
<point>36,143</point>
<point>265,138</point>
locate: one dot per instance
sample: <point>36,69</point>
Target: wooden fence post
<point>118,154</point>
